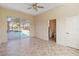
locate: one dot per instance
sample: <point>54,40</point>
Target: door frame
<point>49,28</point>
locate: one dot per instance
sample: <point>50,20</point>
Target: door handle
<point>67,33</point>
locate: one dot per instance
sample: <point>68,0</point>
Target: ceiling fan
<point>35,6</point>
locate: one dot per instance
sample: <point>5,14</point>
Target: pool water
<point>13,35</point>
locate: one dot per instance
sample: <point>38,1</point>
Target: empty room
<point>39,29</point>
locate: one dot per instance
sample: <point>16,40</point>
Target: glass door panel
<point>18,28</point>
<point>25,29</point>
<point>13,28</point>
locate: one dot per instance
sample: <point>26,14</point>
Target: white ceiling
<point>22,7</point>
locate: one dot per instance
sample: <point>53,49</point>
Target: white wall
<point>41,29</point>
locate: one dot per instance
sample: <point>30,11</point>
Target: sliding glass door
<point>17,28</point>
<point>25,29</point>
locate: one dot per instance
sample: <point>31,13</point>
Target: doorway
<point>17,28</point>
<point>52,30</point>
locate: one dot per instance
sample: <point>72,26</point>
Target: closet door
<point>72,32</point>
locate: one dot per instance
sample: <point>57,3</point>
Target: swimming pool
<point>13,35</point>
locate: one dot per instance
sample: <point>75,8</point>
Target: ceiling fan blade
<point>40,6</point>
<point>29,8</point>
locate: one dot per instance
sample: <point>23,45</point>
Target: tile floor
<point>35,47</point>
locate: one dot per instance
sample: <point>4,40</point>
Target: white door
<point>72,32</point>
